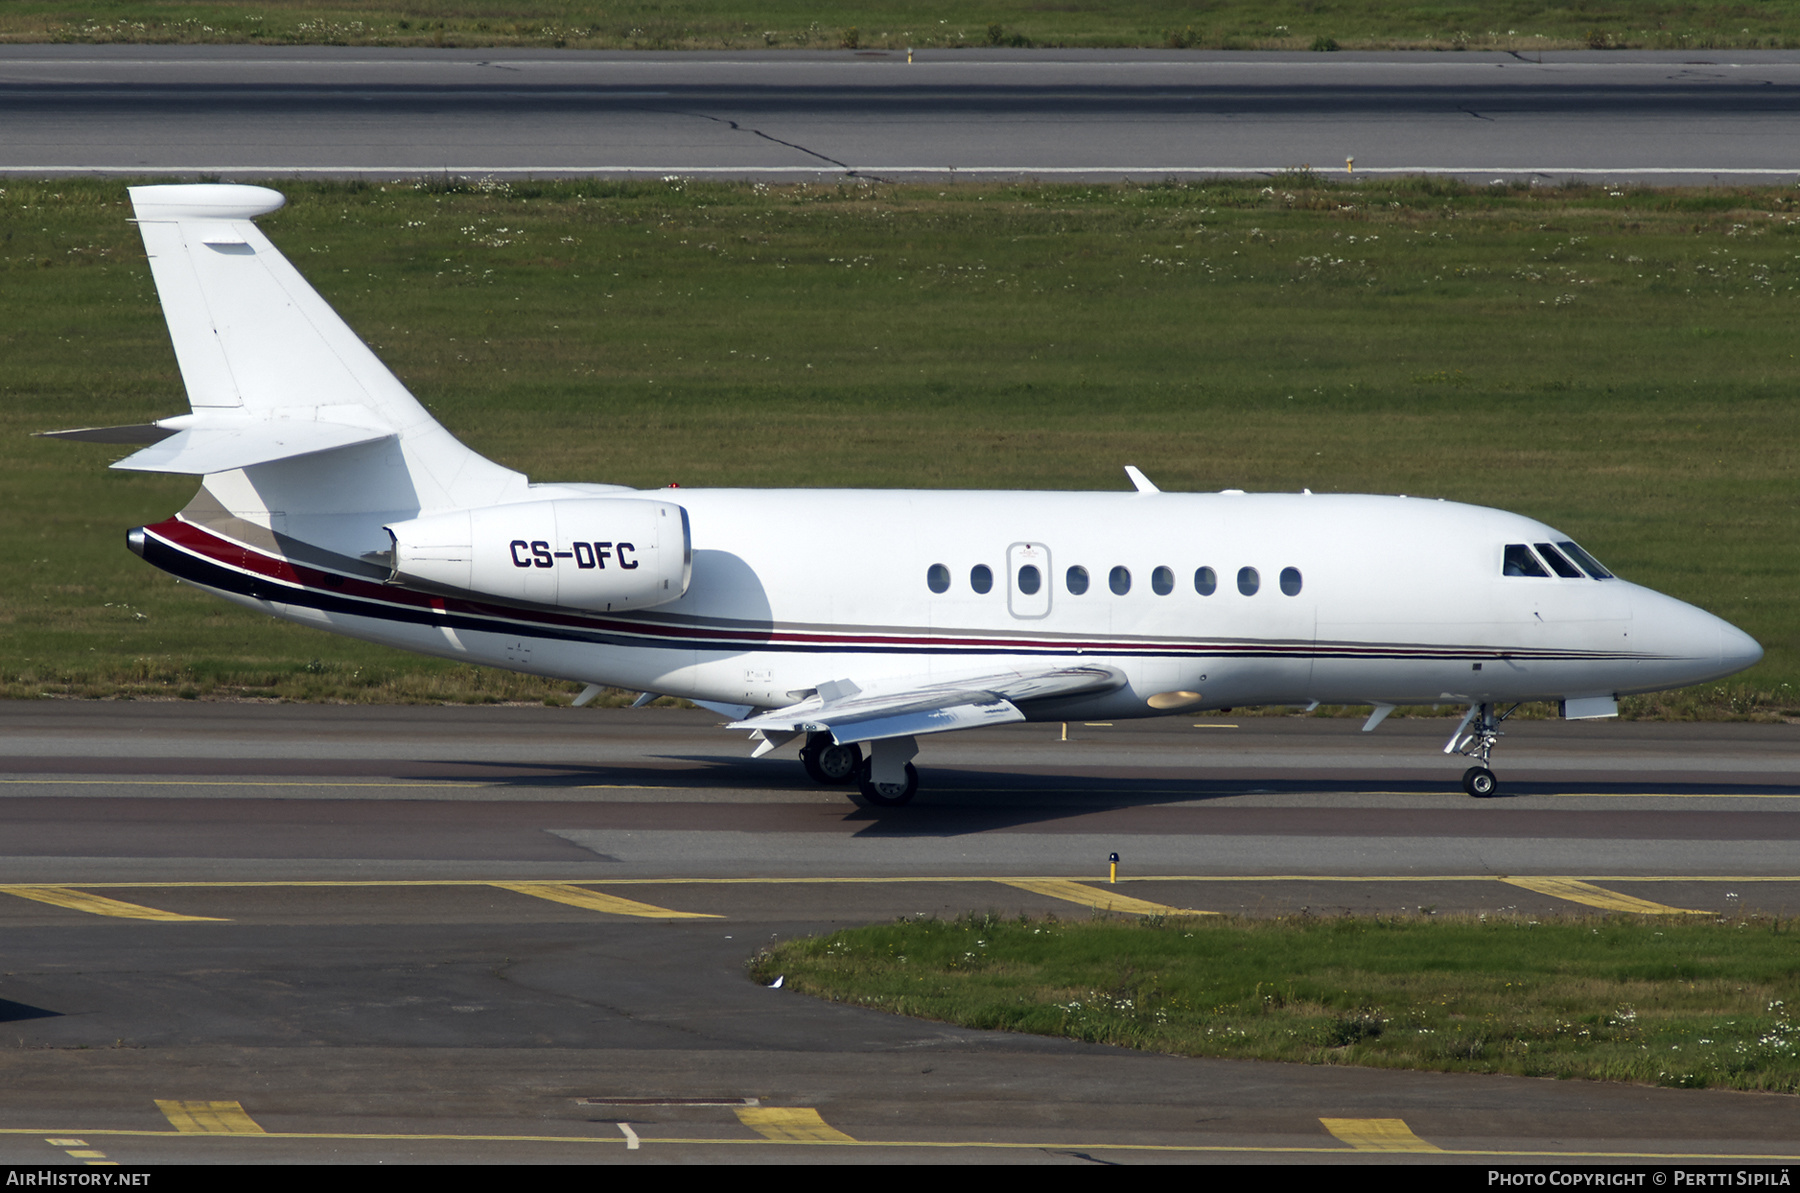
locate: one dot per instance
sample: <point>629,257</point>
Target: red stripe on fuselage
<point>230,553</point>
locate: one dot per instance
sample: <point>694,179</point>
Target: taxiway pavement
<point>264,932</point>
<point>1691,117</point>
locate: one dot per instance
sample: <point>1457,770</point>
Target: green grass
<point>710,24</point>
<point>1676,1002</point>
<point>1620,364</point>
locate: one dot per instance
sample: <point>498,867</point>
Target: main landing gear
<point>1475,738</point>
<point>885,777</point>
<point>830,764</point>
<point>888,795</point>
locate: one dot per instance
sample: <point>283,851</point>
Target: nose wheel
<point>828,763</point>
<point>1480,782</point>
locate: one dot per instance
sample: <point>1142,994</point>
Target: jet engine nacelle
<point>597,555</point>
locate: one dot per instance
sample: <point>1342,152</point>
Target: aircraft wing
<point>850,714</point>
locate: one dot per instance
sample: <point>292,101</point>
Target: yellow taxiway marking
<point>790,1124</point>
<point>208,1118</point>
<point>940,1144</point>
<point>576,896</point>
<point>1378,1135</point>
<point>79,1150</point>
<point>1088,896</point>
<point>1577,891</point>
<point>74,900</point>
<point>864,880</point>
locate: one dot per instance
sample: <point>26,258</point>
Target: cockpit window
<point>1588,563</point>
<point>1521,562</point>
<point>1561,566</point>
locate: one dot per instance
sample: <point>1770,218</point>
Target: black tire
<point>1480,782</point>
<point>887,795</point>
<point>830,764</point>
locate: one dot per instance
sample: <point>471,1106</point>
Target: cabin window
<point>1248,581</point>
<point>1119,580</point>
<point>1588,563</point>
<point>1030,580</point>
<point>1521,562</point>
<point>1558,564</point>
<point>1206,581</point>
<point>937,578</point>
<point>1076,579</point>
<point>1290,581</point>
<point>1162,581</point>
<point>981,578</point>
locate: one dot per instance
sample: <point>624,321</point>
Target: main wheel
<point>889,795</point>
<point>1480,782</point>
<point>829,763</point>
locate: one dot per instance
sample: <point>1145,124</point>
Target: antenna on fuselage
<point>1139,481</point>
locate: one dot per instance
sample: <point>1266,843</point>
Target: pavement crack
<point>846,167</point>
<point>1476,114</point>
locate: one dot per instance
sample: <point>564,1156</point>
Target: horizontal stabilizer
<point>222,446</point>
<point>118,436</point>
<point>859,716</point>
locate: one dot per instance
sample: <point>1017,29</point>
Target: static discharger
<point>1112,875</point>
<point>1349,165</point>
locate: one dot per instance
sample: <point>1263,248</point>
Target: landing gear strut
<point>828,763</point>
<point>1476,738</point>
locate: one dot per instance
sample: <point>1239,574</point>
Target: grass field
<point>1677,1002</point>
<point>1620,364</point>
<point>714,24</point>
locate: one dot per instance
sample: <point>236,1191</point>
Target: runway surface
<point>265,932</point>
<point>265,112</point>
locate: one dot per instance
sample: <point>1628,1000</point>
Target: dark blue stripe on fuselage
<point>199,570</point>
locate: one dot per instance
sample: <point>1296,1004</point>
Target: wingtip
<point>204,201</point>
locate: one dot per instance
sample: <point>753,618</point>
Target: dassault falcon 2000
<point>331,498</point>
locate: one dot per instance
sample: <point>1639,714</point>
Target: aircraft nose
<point>1690,644</point>
<point>1737,650</point>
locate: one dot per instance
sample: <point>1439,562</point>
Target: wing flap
<point>905,710</point>
<point>928,720</point>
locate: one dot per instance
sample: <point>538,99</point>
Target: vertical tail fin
<point>292,415</point>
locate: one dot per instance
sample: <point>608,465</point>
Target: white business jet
<point>331,498</point>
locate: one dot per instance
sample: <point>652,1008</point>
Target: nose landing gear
<point>1475,737</point>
